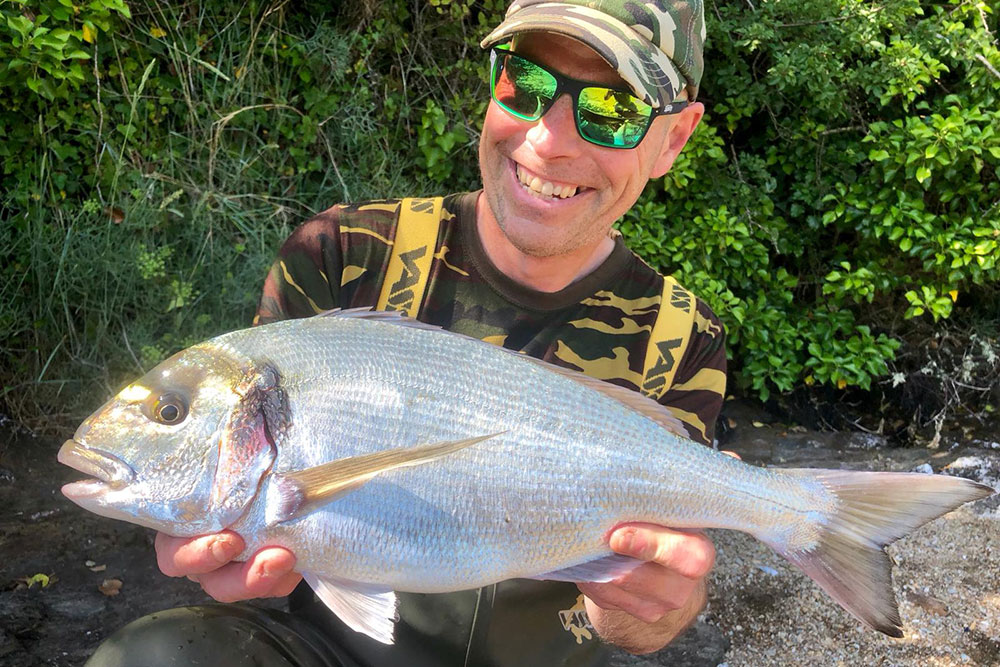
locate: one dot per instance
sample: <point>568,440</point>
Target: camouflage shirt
<point>599,324</point>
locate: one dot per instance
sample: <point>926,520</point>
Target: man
<point>588,105</point>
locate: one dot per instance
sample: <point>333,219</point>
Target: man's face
<point>524,164</point>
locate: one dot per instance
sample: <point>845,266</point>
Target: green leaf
<point>923,173</point>
<point>39,578</point>
<point>19,24</point>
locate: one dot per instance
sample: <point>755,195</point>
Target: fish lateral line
<point>303,491</point>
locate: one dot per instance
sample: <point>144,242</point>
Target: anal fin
<point>363,608</point>
<point>600,571</point>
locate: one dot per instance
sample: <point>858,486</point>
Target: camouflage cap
<point>656,45</point>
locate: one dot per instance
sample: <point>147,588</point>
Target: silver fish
<point>392,456</point>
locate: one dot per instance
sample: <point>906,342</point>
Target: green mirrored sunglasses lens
<point>521,87</point>
<point>612,117</point>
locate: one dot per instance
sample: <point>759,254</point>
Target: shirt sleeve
<point>305,277</point>
<point>699,386</point>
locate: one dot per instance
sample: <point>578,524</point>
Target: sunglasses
<point>609,117</point>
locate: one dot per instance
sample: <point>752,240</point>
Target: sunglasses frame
<point>572,87</point>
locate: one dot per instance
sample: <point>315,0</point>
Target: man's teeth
<point>537,186</point>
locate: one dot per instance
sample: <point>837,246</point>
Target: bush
<point>154,156</point>
<point>845,182</point>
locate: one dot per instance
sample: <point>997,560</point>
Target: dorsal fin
<point>627,397</point>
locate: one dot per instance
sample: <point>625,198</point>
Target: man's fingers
<point>182,556</point>
<point>690,555</point>
<point>648,609</point>
<point>269,573</point>
<point>596,593</point>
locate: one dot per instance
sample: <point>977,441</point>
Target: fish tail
<point>848,560</point>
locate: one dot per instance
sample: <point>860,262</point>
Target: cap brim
<point>648,71</point>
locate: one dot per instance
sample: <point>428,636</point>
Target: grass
<point>208,145</point>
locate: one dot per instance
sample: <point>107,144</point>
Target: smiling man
<point>590,100</point>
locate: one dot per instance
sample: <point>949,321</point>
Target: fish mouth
<point>107,469</point>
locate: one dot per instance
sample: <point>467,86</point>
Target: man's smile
<point>541,187</point>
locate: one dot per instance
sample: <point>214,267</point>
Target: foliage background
<point>839,206</point>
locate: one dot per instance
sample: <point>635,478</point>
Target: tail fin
<point>875,509</point>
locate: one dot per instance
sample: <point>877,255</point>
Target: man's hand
<point>645,609</point>
<point>676,564</point>
<point>208,560</point>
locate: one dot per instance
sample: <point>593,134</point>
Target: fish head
<point>184,448</point>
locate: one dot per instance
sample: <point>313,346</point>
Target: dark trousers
<point>231,635</point>
<point>513,624</point>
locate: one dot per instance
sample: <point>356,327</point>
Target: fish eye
<point>168,409</point>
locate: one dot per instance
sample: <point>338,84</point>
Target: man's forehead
<point>568,56</point>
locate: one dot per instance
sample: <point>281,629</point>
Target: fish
<point>389,455</point>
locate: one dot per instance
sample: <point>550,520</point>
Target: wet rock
<point>77,605</point>
<point>21,612</point>
<point>981,468</point>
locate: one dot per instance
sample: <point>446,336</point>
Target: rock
<point>21,612</point>
<point>76,606</point>
<point>985,444</point>
<point>976,467</point>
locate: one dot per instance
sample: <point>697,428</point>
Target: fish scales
<point>422,395</point>
<point>390,456</point>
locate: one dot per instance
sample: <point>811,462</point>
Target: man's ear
<point>681,127</point>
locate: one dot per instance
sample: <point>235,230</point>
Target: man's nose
<point>554,134</point>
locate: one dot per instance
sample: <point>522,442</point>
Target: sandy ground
<point>762,611</point>
<point>946,575</point>
<point>946,581</point>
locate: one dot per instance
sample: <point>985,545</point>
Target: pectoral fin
<point>303,491</point>
<point>365,609</point>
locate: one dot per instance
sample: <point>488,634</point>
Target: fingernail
<point>221,550</point>
<point>622,540</point>
<point>269,571</point>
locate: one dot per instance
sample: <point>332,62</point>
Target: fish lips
<point>108,470</point>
